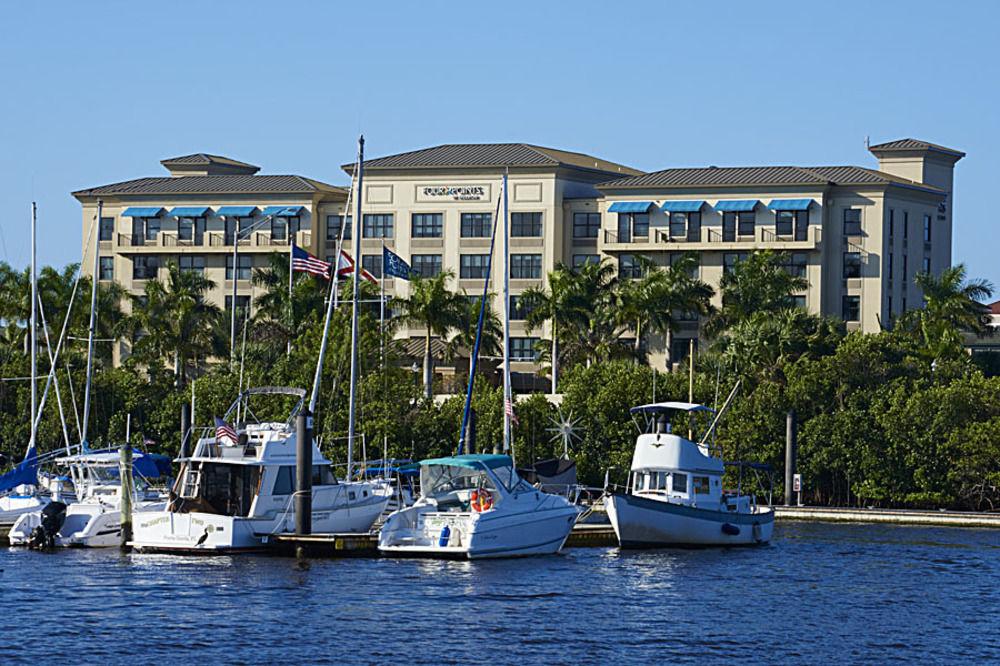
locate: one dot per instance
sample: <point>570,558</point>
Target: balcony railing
<point>212,239</point>
<point>714,235</point>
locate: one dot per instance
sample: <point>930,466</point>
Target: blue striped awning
<point>190,211</point>
<point>140,211</point>
<point>682,206</point>
<point>284,211</point>
<point>630,207</point>
<point>737,206</point>
<point>789,204</point>
<point>236,211</point>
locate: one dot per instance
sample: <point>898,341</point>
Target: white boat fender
<point>730,529</point>
<point>757,532</point>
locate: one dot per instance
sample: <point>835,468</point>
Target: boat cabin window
<point>227,489</point>
<point>680,483</point>
<point>700,485</point>
<point>438,480</point>
<point>284,483</point>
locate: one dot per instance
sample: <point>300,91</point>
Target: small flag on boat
<point>223,429</point>
<point>393,264</point>
<point>303,261</point>
<point>345,268</point>
<point>508,409</point>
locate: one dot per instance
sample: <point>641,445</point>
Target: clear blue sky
<point>97,92</point>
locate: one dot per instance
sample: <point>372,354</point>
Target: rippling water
<point>820,593</point>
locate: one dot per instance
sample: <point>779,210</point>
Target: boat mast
<point>354,309</point>
<point>93,323</point>
<point>34,330</point>
<point>508,410</point>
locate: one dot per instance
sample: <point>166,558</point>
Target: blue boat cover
<point>682,206</point>
<point>26,472</point>
<point>142,211</point>
<point>284,211</point>
<point>739,205</point>
<point>237,211</point>
<point>789,204</point>
<point>190,211</point>
<point>472,461</point>
<point>630,207</point>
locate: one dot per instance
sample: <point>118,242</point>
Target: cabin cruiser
<point>675,497</point>
<point>235,495</point>
<point>94,521</point>
<point>476,506</point>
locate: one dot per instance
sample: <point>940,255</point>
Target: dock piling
<point>125,476</point>
<point>791,453</point>
<point>185,429</point>
<point>303,472</point>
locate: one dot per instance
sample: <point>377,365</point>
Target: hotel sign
<point>453,193</point>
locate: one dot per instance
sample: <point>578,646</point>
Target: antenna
<point>868,142</point>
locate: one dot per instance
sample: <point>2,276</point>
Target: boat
<point>234,495</point>
<point>675,496</point>
<point>94,521</point>
<point>476,505</point>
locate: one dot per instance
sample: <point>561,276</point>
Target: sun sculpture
<point>565,428</point>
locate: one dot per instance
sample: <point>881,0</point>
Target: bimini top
<point>472,461</point>
<point>654,407</point>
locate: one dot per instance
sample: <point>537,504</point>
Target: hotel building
<point>858,234</point>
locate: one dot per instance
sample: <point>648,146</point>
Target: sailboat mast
<point>34,329</point>
<point>508,410</point>
<point>93,322</point>
<point>354,308</point>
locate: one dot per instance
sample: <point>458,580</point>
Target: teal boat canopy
<point>190,211</point>
<point>790,204</point>
<point>142,211</point>
<point>472,461</point>
<point>737,206</point>
<point>630,207</point>
<point>237,211</point>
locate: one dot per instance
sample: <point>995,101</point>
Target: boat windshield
<point>438,480</point>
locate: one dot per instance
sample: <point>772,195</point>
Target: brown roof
<point>994,308</point>
<point>457,155</point>
<point>912,144</point>
<point>221,184</point>
<point>204,159</point>
<point>761,177</point>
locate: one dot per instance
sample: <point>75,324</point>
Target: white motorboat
<point>95,520</point>
<point>675,495</point>
<point>235,495</point>
<point>475,506</point>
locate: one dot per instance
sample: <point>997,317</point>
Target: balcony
<point>212,241</point>
<point>712,238</point>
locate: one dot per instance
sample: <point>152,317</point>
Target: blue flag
<point>393,265</point>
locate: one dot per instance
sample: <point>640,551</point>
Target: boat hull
<point>641,523</point>
<point>86,525</point>
<point>14,506</point>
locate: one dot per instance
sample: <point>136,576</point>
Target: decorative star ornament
<point>565,428</point>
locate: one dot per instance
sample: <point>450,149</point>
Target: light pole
<point>236,255</point>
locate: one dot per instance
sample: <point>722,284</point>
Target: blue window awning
<point>789,204</point>
<point>284,211</point>
<point>236,211</point>
<point>630,207</point>
<point>190,211</point>
<point>737,206</point>
<point>682,206</point>
<point>141,211</point>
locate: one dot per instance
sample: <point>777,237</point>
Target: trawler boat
<point>95,520</point>
<point>675,496</point>
<point>476,506</point>
<point>233,495</point>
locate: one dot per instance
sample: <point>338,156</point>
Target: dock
<point>888,516</point>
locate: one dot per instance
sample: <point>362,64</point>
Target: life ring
<point>481,501</point>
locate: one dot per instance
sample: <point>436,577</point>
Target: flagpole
<point>352,411</point>
<point>291,310</point>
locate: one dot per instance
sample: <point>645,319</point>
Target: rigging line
<point>72,396</point>
<point>48,348</point>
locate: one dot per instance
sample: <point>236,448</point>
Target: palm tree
<point>491,340</point>
<point>759,283</point>
<point>764,343</point>
<point>173,319</point>
<point>276,319</point>
<point>436,309</point>
<point>556,305</point>
<point>953,304</point>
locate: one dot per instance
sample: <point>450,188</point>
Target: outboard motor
<point>43,537</point>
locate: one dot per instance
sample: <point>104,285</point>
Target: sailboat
<point>475,505</point>
<point>236,490</point>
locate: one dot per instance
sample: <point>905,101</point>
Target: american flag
<point>303,261</point>
<point>508,408</point>
<point>345,268</point>
<point>223,429</point>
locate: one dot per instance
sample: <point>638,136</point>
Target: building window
<point>792,222</point>
<point>852,221</point>
<point>888,305</point>
<point>629,267</point>
<point>904,305</point>
<point>888,267</point>
<point>477,225</point>
<point>244,267</point>
<point>685,225</point>
<point>730,259</point>
<point>580,259</point>
<point>798,301</point>
<point>107,269</point>
<point>243,223</point>
<point>632,225</point>
<point>676,257</point>
<point>517,309</point>
<point>525,266</point>
<point>523,349</point>
<point>906,271</point>
<point>586,225</point>
<point>851,308</point>
<point>145,229</point>
<point>145,268</point>
<point>852,265</point>
<point>279,228</point>
<point>526,225</point>
<point>473,266</point>
<point>372,263</point>
<point>892,222</point>
<point>378,225</point>
<point>192,264</point>
<point>927,228</point>
<point>427,225</point>
<point>242,303</point>
<point>927,264</point>
<point>795,263</point>
<point>106,230</point>
<point>746,221</point>
<point>906,224</point>
<point>679,348</point>
<point>426,265</point>
<point>333,224</point>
